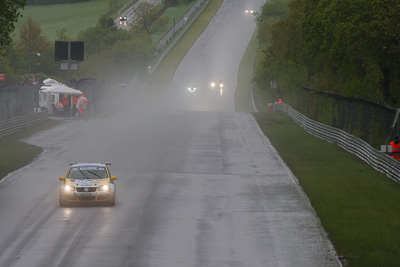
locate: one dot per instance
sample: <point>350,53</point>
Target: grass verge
<point>15,154</point>
<point>243,101</point>
<point>358,206</point>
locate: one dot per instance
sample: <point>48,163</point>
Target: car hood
<point>88,182</point>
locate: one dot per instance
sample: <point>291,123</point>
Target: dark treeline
<point>349,47</point>
<point>50,2</point>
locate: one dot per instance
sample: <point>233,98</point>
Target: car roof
<point>76,165</point>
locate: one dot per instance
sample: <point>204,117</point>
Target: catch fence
<point>380,161</point>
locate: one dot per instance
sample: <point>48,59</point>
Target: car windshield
<point>87,172</point>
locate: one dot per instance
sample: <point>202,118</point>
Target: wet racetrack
<point>198,184</point>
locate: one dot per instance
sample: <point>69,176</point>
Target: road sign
<point>273,84</point>
<point>64,66</point>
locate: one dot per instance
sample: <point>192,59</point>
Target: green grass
<point>75,17</point>
<point>15,154</point>
<point>358,206</point>
<point>243,100</point>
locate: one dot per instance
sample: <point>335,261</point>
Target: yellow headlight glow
<point>68,188</point>
<point>104,188</point>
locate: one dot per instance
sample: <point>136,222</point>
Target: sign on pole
<point>69,50</point>
<point>273,84</point>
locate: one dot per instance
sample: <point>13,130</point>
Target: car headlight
<point>221,85</point>
<point>69,188</point>
<point>213,84</point>
<point>105,187</point>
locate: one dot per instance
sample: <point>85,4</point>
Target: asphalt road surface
<point>198,184</point>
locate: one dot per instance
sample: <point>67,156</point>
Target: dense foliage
<point>350,47</point>
<point>149,18</point>
<point>9,14</point>
<point>177,2</point>
<point>50,2</point>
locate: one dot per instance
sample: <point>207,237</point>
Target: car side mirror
<point>61,178</point>
<point>113,177</point>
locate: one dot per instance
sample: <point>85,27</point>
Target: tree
<point>177,2</point>
<point>147,17</point>
<point>33,43</point>
<point>350,47</point>
<point>61,35</point>
<point>9,14</point>
<point>114,52</point>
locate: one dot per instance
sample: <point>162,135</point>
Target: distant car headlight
<point>105,187</point>
<point>69,188</point>
<point>221,85</point>
<point>213,84</point>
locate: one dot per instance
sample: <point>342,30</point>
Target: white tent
<point>51,85</point>
<point>60,89</point>
<point>49,93</point>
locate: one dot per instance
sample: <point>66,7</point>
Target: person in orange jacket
<point>65,101</point>
<point>74,102</point>
<point>395,148</point>
<point>82,104</point>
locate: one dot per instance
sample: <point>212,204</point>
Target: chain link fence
<point>368,120</point>
<point>18,101</point>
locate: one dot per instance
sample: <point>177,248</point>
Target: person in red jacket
<point>395,148</point>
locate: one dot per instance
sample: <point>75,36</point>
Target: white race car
<point>249,11</point>
<point>217,84</point>
<point>192,89</point>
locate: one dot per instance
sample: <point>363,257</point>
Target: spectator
<point>74,102</point>
<point>395,148</point>
<point>82,105</point>
<point>59,107</point>
<point>65,101</point>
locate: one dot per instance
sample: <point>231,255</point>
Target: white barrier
<point>18,123</point>
<point>380,161</point>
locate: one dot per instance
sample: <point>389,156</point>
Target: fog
<point>198,184</point>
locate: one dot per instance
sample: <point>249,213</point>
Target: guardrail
<point>378,160</point>
<point>21,122</point>
<point>178,25</point>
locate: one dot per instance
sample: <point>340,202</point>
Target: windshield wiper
<point>83,175</point>
<point>95,174</point>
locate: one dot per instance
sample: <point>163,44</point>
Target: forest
<point>346,47</point>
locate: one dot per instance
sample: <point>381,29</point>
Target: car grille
<point>82,189</point>
<point>86,198</point>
